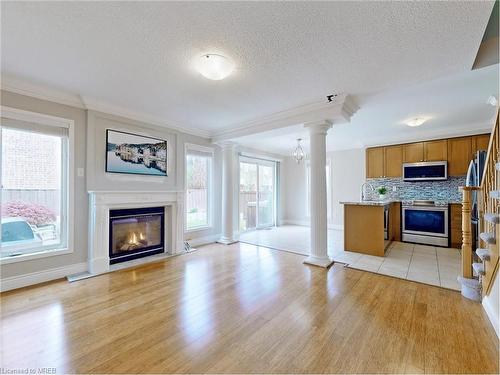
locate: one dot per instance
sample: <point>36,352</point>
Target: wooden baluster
<point>466,232</point>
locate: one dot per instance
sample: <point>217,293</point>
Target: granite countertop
<point>384,202</point>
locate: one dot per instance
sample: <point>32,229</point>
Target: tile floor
<point>426,264</point>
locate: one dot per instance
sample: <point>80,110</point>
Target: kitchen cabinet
<point>413,152</point>
<point>436,150</point>
<point>480,143</point>
<point>425,151</point>
<point>375,162</point>
<point>459,155</point>
<point>456,225</point>
<point>393,161</point>
<point>364,228</point>
<point>387,161</point>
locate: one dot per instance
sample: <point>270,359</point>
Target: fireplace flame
<point>134,238</point>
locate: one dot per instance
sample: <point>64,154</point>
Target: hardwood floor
<point>244,309</point>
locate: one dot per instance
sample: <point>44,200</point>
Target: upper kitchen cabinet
<point>480,143</point>
<point>413,152</point>
<point>425,151</point>
<point>459,155</point>
<point>436,150</point>
<point>393,161</point>
<point>375,162</point>
<point>388,161</point>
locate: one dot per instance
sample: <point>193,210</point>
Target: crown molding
<point>339,110</point>
<point>98,106</point>
<point>464,131</point>
<point>23,87</point>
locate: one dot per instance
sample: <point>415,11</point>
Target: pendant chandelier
<point>298,153</point>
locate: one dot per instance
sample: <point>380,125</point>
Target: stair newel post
<point>466,232</point>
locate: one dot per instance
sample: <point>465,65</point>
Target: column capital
<point>319,127</point>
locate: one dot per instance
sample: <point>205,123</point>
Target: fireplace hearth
<point>136,233</point>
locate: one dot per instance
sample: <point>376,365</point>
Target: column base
<point>319,262</point>
<point>226,241</point>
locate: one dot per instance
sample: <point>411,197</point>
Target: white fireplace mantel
<point>101,202</point>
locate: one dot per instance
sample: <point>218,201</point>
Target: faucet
<point>372,189</point>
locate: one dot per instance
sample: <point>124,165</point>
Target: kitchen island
<point>370,226</point>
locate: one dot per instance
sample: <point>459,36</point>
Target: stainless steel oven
<point>425,222</point>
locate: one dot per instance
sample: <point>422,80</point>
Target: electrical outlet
<point>80,172</point>
<point>394,188</point>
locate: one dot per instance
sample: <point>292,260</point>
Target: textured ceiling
<point>454,105</point>
<point>137,55</point>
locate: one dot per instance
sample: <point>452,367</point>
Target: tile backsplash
<point>432,190</point>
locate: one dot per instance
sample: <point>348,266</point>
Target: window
<point>35,189</point>
<point>198,187</point>
<point>328,189</point>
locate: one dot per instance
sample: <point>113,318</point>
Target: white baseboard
<point>306,223</point>
<point>20,281</point>
<point>490,311</point>
<point>302,223</point>
<point>205,240</point>
<point>335,226</point>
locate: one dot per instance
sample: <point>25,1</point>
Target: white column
<point>318,204</point>
<point>228,151</point>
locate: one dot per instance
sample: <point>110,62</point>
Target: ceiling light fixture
<point>213,66</point>
<point>298,153</point>
<point>492,100</point>
<point>417,121</point>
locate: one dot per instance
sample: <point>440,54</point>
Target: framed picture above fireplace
<point>135,154</point>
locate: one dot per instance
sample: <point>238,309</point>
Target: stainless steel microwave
<point>425,171</point>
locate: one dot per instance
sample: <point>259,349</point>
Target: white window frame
<point>329,191</point>
<point>68,184</point>
<point>210,152</point>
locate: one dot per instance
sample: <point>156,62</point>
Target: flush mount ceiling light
<point>492,100</point>
<point>298,153</point>
<point>417,121</point>
<point>213,66</point>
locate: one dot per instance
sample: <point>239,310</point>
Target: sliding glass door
<point>265,201</point>
<point>257,195</point>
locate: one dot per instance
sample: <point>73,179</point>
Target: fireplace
<point>136,233</point>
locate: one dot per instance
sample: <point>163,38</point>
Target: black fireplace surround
<point>136,233</point>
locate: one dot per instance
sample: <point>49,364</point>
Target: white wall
<point>347,175</point>
<point>99,180</point>
<point>295,191</point>
<point>90,140</point>
<point>491,304</point>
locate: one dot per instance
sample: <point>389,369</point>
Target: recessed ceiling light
<point>213,66</point>
<point>417,121</point>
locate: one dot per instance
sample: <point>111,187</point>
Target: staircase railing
<point>487,203</point>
